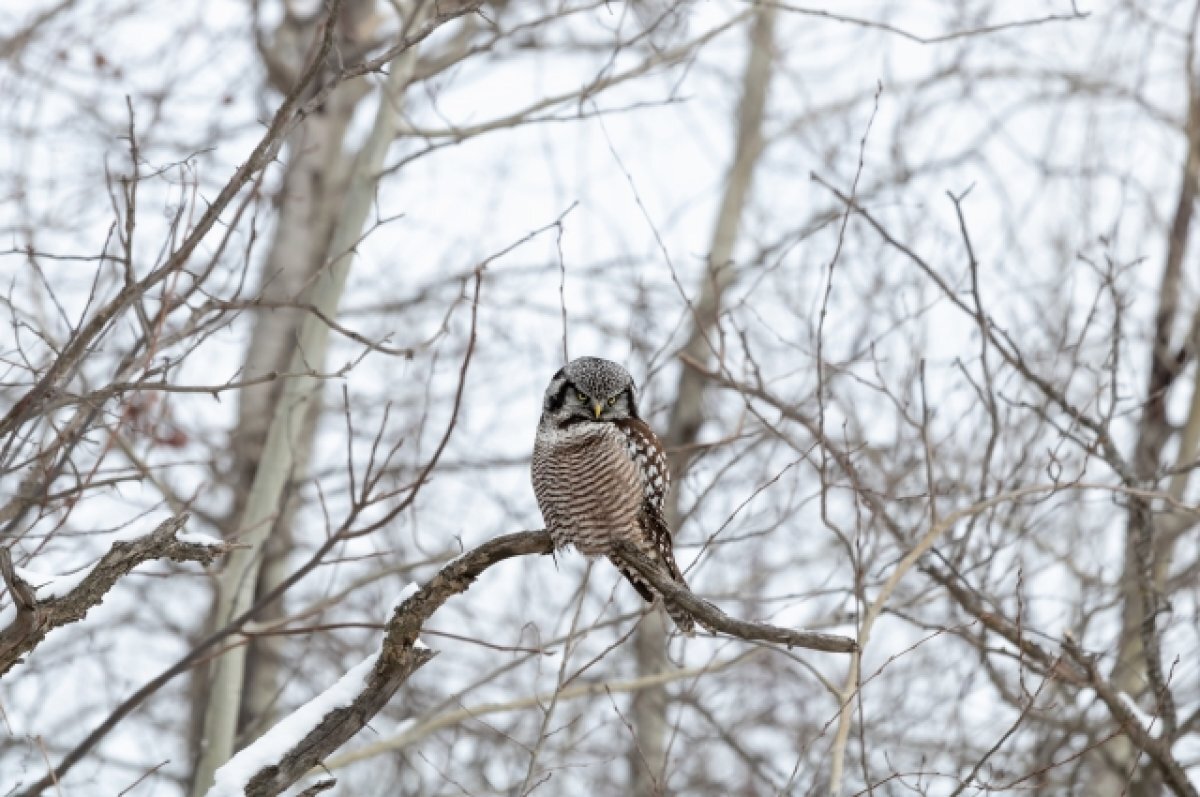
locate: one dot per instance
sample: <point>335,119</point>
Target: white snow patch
<point>407,592</point>
<point>196,538</point>
<point>129,533</point>
<point>51,586</point>
<point>1144,719</point>
<point>231,779</point>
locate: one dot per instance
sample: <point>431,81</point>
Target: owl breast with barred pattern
<point>592,485</point>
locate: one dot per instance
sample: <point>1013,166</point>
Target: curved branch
<point>399,657</point>
<point>716,620</point>
<point>35,618</point>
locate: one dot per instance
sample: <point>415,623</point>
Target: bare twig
<point>982,30</point>
<point>81,342</point>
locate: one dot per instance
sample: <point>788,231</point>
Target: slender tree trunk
<point>310,198</point>
<point>647,755</point>
<point>1148,550</point>
<point>280,462</point>
<point>310,202</point>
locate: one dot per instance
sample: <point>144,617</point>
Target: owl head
<point>589,390</point>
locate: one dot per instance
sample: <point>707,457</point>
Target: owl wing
<point>646,450</point>
<point>647,453</point>
<point>659,535</point>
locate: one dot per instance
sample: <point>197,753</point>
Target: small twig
<point>562,290</point>
<point>81,342</point>
<point>143,776</point>
<point>982,30</point>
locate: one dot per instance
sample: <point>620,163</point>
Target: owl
<point>600,474</point>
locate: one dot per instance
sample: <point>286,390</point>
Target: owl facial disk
<point>589,390</point>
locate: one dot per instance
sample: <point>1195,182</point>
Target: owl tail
<point>681,617</point>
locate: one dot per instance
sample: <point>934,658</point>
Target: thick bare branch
<point>36,618</point>
<point>399,657</point>
<point>1158,750</point>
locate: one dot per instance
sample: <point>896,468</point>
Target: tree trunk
<point>281,460</point>
<point>311,199</point>
<point>647,755</point>
<point>1147,550</point>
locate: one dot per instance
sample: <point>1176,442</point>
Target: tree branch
<point>1158,749</point>
<point>399,657</point>
<point>37,618</point>
<point>716,620</point>
<point>81,342</point>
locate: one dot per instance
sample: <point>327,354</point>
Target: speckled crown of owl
<point>599,379</point>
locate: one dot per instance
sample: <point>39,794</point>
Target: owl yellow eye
<point>580,397</point>
<point>612,400</point>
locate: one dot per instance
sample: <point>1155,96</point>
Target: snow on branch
<point>231,778</point>
<point>306,737</point>
<point>275,744</point>
<point>1133,722</point>
<point>42,603</point>
<point>310,739</point>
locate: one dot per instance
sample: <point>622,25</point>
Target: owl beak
<point>599,408</point>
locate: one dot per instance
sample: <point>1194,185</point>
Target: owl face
<point>589,390</point>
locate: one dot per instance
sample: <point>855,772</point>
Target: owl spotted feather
<point>600,474</point>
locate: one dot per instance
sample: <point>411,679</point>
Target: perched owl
<point>600,474</point>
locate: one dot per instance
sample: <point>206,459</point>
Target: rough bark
<point>36,618</point>
<point>647,755</point>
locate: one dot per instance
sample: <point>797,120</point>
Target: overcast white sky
<point>1054,172</point>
